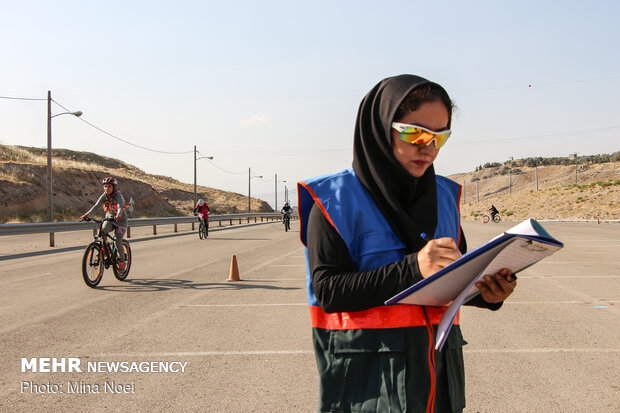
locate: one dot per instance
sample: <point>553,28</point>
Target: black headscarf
<point>409,204</point>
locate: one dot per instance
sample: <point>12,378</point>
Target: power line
<point>121,139</point>
<point>214,164</point>
<point>20,98</point>
<point>222,169</point>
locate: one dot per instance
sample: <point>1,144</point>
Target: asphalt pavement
<point>178,336</point>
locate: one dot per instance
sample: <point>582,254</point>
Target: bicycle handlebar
<point>98,221</point>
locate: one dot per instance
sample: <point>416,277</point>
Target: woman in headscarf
<point>365,230</point>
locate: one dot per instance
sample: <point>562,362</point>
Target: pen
<point>426,237</point>
<point>511,277</point>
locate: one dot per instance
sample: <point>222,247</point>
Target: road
<point>246,347</point>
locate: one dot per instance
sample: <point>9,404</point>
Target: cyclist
<point>114,207</point>
<point>493,211</point>
<point>202,209</point>
<point>286,209</point>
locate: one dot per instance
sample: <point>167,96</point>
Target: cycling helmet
<point>201,202</point>
<point>109,180</point>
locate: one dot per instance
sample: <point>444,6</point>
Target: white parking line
<point>585,276</point>
<point>243,305</point>
<point>560,302</point>
<point>568,240</point>
<point>566,276</point>
<point>506,302</point>
<point>571,262</point>
<point>546,350</point>
<point>290,352</point>
<point>276,279</point>
<point>587,253</point>
<point>206,353</point>
<point>26,278</point>
<point>286,265</point>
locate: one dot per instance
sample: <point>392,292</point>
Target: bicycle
<point>487,217</point>
<point>286,219</point>
<point>101,253</point>
<point>203,225</point>
<point>203,229</point>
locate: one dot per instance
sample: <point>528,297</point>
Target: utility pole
<point>275,207</point>
<point>50,217</point>
<point>575,167</point>
<point>510,172</point>
<point>50,194</point>
<point>464,191</point>
<point>195,160</point>
<point>249,190</point>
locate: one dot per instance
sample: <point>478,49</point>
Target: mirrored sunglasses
<point>419,136</point>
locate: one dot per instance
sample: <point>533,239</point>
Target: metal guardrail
<point>52,227</point>
<point>43,227</point>
<point>598,221</point>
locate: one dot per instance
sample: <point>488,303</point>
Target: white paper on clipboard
<point>516,249</point>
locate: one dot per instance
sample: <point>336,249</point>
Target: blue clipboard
<point>441,288</point>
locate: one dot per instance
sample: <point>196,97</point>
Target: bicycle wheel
<point>287,225</point>
<point>201,230</point>
<point>92,264</point>
<point>497,218</point>
<point>121,275</point>
<point>206,229</point>
<point>485,219</point>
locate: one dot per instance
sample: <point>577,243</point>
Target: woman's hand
<point>437,254</point>
<point>496,288</point>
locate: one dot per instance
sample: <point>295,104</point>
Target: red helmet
<point>109,180</point>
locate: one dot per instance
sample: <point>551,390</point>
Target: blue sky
<point>275,86</point>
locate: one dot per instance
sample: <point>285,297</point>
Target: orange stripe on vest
<point>391,316</point>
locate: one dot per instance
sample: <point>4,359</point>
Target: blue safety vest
<point>371,242</point>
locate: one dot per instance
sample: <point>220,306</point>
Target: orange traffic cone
<point>234,270</point>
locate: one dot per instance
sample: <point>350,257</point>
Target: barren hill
<point>76,178</point>
<point>582,191</point>
<point>588,190</point>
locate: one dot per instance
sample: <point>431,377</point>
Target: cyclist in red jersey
<point>202,209</point>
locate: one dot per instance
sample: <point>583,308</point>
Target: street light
<point>250,189</point>
<point>50,213</point>
<point>510,172</point>
<point>575,155</point>
<point>195,159</point>
<point>277,182</point>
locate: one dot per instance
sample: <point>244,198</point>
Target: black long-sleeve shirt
<point>340,288</point>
